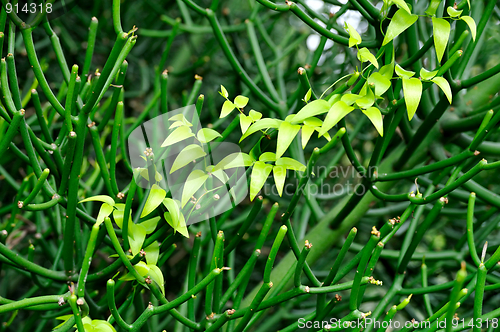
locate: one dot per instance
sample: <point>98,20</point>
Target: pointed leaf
<point>381,83</point>
<point>315,107</point>
<point>472,25</point>
<point>206,135</point>
<point>307,132</point>
<point>441,31</point>
<point>427,75</point>
<point>221,175</point>
<point>412,90</point>
<point>118,215</point>
<point>365,55</point>
<point>375,117</point>
<point>136,239</point>
<point>156,196</point>
<point>403,73</point>
<point>189,154</point>
<point>401,21</point>
<point>453,12</point>
<point>254,115</point>
<point>279,174</point>
<point>99,198</point>
<point>157,276</point>
<point>152,253</point>
<point>354,37</point>
<point>104,212</point>
<point>179,225</point>
<point>286,134</point>
<point>388,70</point>
<point>336,113</point>
<point>350,98</point>
<point>444,85</point>
<point>260,125</point>
<point>367,100</point>
<point>142,268</point>
<point>245,122</point>
<point>402,4</point>
<point>145,174</point>
<point>227,108</point>
<point>307,97</point>
<point>313,122</point>
<point>290,163</point>
<point>260,172</point>
<point>240,101</point>
<point>193,182</point>
<point>179,134</point>
<point>236,159</point>
<point>150,224</point>
<point>223,91</point>
<point>267,157</point>
<point>172,207</point>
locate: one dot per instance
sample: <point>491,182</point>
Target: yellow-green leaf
<point>354,37</point>
<point>290,163</point>
<point>268,157</point>
<point>245,122</point>
<point>189,154</point>
<point>156,196</point>
<point>254,115</point>
<point>137,235</point>
<point>336,113</point>
<point>350,98</point>
<point>367,100</point>
<point>401,21</point>
<point>306,134</point>
<point>240,101</point>
<point>193,182</point>
<point>444,85</point>
<point>261,125</point>
<point>472,25</point>
<point>403,73</point>
<point>227,108</point>
<point>365,55</point>
<point>286,134</point>
<point>157,276</point>
<point>279,174</point>
<point>412,90</point>
<point>260,172</point>
<point>99,198</point>
<point>236,159</point>
<point>381,83</point>
<point>375,117</point>
<point>402,4</point>
<point>206,135</point>
<point>150,224</point>
<point>104,211</point>
<point>179,225</point>
<point>152,252</point>
<point>179,134</point>
<point>453,12</point>
<point>427,75</point>
<point>223,91</point>
<point>315,107</point>
<point>441,31</point>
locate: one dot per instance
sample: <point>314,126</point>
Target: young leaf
<point>433,7</point>
<point>367,100</point>
<point>388,70</point>
<point>453,12</point>
<point>150,224</point>
<point>179,225</point>
<point>313,122</point>
<point>260,172</point>
<point>172,207</point>
<point>206,135</point>
<point>193,182</point>
<point>245,122</point>
<point>223,91</point>
<point>402,4</point>
<point>136,239</point>
<point>236,159</point>
<point>338,111</point>
<point>365,55</point>
<point>156,196</point>
<point>102,326</point>
<point>375,117</point>
<point>227,108</point>
<point>412,90</point>
<point>401,21</point>
<point>286,134</point>
<point>104,211</point>
<point>318,106</point>
<point>350,98</point>
<point>290,163</point>
<point>268,157</point>
<point>308,95</point>
<point>260,125</point>
<point>157,276</point>
<point>306,134</point>
<point>472,25</point>
<point>189,154</point>
<point>179,134</point>
<point>240,101</point>
<point>354,37</point>
<point>152,253</point>
<point>441,31</point>
<point>99,198</point>
<point>403,73</point>
<point>444,85</point>
<point>427,75</point>
<point>381,83</point>
<point>254,115</point>
<point>279,174</point>
<point>118,215</point>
